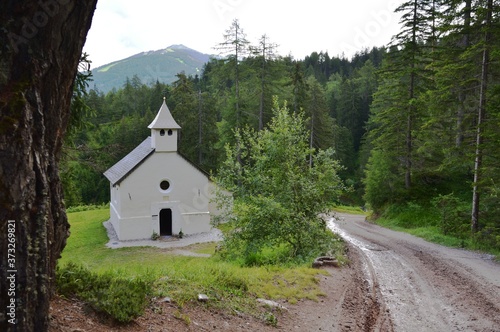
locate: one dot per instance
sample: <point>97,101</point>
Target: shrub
<point>271,319</point>
<point>120,298</point>
<point>454,215</point>
<point>155,236</point>
<point>279,187</point>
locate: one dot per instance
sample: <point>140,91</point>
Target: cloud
<point>126,27</point>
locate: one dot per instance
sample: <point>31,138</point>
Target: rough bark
<point>40,46</point>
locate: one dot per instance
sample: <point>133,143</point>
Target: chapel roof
<point>164,119</point>
<point>131,161</point>
<point>127,164</point>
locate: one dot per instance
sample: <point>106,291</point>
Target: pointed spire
<point>164,119</point>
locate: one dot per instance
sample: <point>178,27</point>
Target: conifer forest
<point>415,124</point>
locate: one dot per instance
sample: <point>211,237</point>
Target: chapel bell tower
<point>164,131</point>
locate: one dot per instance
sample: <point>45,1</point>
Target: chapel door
<point>165,222</point>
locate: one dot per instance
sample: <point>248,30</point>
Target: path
<point>421,286</point>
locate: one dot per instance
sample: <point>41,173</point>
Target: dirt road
<point>412,285</point>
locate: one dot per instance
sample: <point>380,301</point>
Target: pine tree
<point>321,125</point>
<point>464,80</point>
<point>235,46</point>
<point>184,103</point>
<point>484,85</point>
<point>417,30</point>
<point>299,87</point>
<point>397,109</point>
<point>265,53</point>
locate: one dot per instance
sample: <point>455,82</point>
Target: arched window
<point>162,132</point>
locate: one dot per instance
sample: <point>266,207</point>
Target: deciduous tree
<point>278,196</point>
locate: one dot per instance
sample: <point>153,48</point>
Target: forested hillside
<point>160,65</point>
<point>415,124</point>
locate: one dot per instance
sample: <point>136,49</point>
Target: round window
<point>164,185</point>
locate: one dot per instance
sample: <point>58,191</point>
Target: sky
<point>122,28</point>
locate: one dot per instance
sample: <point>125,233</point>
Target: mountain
<point>161,65</point>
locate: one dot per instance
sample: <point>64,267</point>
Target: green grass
<point>87,240</point>
<point>424,222</point>
<point>203,248</point>
<point>428,233</point>
<point>349,209</point>
<point>182,278</point>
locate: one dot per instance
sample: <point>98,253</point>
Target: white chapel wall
<point>142,198</point>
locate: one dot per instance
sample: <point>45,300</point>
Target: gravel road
<point>414,285</point>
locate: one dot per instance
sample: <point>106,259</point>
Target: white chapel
<point>154,189</point>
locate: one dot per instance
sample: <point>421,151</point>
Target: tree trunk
<point>411,106</point>
<point>480,120</point>
<point>463,93</point>
<point>40,46</point>
<point>200,128</point>
<point>311,138</point>
<point>261,101</point>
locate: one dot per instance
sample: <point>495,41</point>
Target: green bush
<point>454,215</point>
<point>120,298</point>
<point>383,183</point>
<point>412,214</point>
<point>488,238</point>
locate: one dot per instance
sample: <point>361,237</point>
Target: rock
<point>317,264</point>
<point>166,299</point>
<point>202,298</point>
<point>271,304</point>
<point>325,261</point>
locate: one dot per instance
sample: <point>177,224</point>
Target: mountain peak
<point>179,47</point>
<point>160,65</point>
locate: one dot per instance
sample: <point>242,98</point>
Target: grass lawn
<point>180,277</point>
